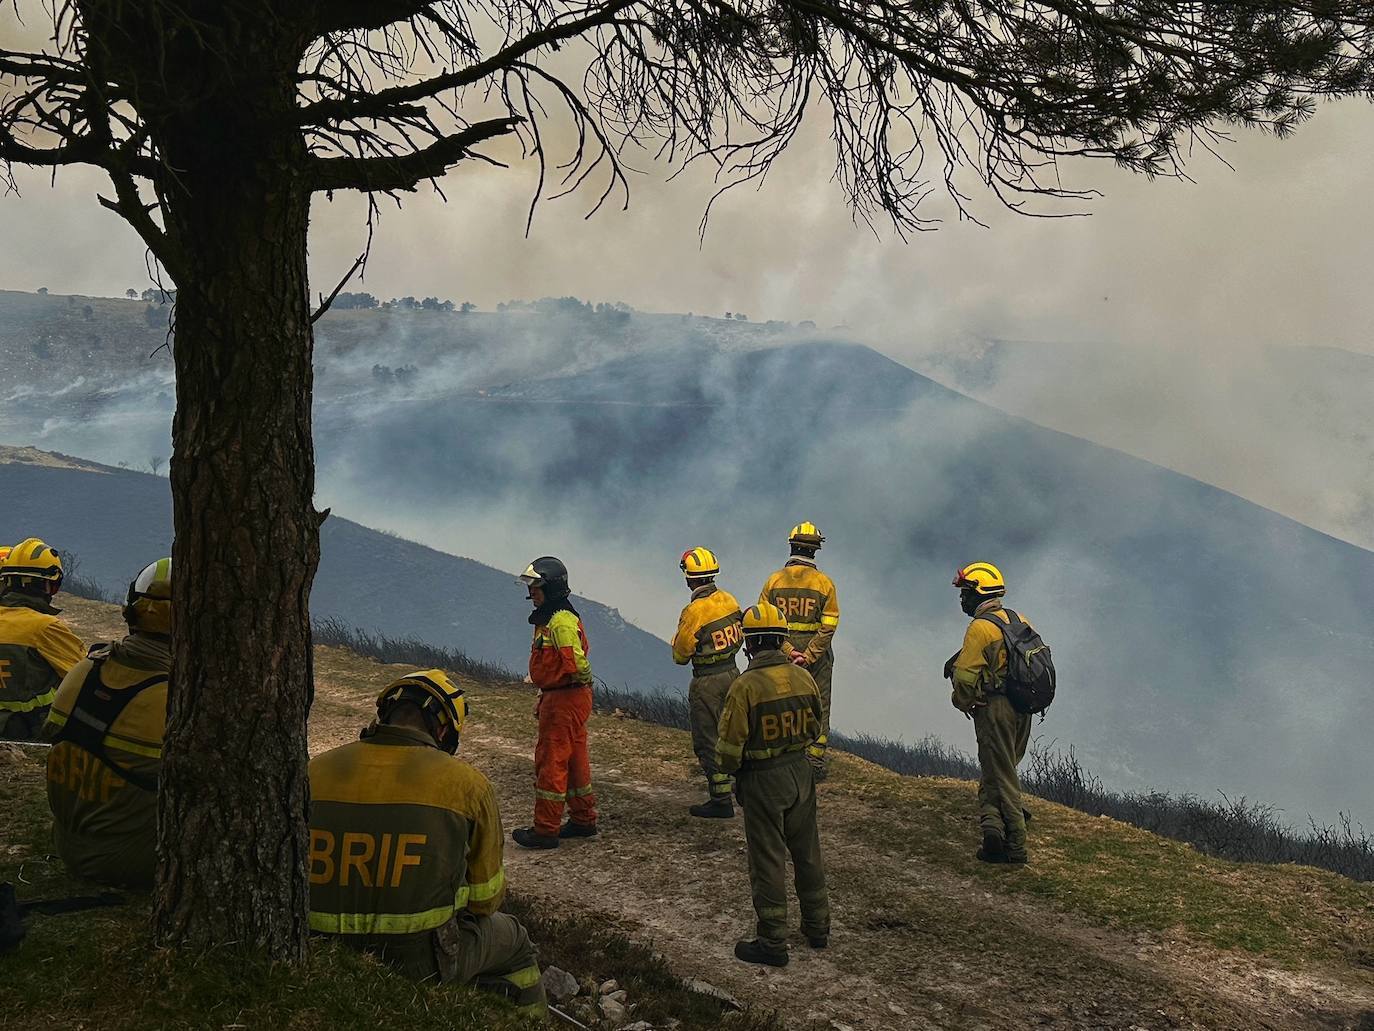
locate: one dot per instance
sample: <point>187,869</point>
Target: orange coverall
<point>562,762</point>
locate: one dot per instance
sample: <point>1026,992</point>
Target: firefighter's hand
<point>949,666</point>
<point>537,699</point>
<point>799,659</point>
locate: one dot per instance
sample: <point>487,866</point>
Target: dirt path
<point>913,946</point>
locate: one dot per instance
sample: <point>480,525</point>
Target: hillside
<point>115,521</point>
<point>1185,620</point>
<point>1199,636</point>
<point>1285,427</point>
<point>1109,927</point>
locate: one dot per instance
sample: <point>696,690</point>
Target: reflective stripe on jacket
<point>772,708</point>
<point>807,598</point>
<point>708,632</point>
<point>558,653</point>
<point>402,837</point>
<point>37,650</point>
<point>105,827</point>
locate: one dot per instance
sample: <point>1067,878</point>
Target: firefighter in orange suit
<point>560,670</point>
<point>807,598</point>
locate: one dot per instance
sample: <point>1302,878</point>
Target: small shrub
<point>407,650</point>
<point>79,586</point>
<point>660,707</point>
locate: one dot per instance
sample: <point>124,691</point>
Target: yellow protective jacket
<point>106,827</point>
<point>36,651</point>
<point>982,661</point>
<point>808,600</point>
<point>402,838</point>
<point>708,632</point>
<point>771,710</point>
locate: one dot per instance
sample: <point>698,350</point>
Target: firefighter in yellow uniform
<point>406,856</point>
<point>708,636</point>
<point>807,597</point>
<point>772,714</point>
<point>1003,733</point>
<point>107,725</point>
<point>37,649</point>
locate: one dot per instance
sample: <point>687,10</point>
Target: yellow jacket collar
<point>797,560</point>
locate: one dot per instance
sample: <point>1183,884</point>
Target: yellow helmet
<point>32,560</point>
<point>764,618</point>
<point>699,562</point>
<point>808,534</point>
<point>5,550</point>
<point>436,695</point>
<point>982,578</point>
<point>148,607</point>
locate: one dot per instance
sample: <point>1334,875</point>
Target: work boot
<point>714,809</point>
<point>1015,857</point>
<point>573,829</point>
<point>994,848</point>
<point>757,951</point>
<point>817,941</point>
<point>528,837</point>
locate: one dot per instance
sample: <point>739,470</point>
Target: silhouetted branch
<point>406,171</point>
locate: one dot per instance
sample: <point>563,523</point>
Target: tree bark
<point>232,836</point>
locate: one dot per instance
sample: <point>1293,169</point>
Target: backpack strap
<point>988,617</point>
<point>996,686</point>
<point>95,711</point>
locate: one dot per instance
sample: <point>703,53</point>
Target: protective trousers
<point>494,953</point>
<point>779,804</point>
<point>1003,734</point>
<point>22,726</point>
<point>705,697</point>
<point>562,763</point>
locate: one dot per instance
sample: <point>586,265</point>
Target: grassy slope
<point>1105,915</point>
<point>96,968</point>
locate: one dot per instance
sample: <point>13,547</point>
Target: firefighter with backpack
<point>1001,676</point>
<point>107,724</point>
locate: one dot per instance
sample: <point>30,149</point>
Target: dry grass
<point>917,917</point>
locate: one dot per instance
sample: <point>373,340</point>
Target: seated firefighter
<point>36,647</point>
<point>107,724</point>
<point>406,849</point>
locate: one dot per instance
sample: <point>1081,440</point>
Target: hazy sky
<point>1277,251</point>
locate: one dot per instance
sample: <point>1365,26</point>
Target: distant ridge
<point>115,519</point>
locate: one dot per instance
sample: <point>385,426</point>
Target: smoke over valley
<point>1201,643</point>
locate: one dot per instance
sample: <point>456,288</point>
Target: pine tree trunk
<point>232,835</point>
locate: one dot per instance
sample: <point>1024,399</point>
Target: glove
<point>949,666</point>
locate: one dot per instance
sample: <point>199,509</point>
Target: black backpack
<point>1029,680</point>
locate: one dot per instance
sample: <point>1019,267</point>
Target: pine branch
<point>364,15</point>
<point>404,171</point>
<point>387,102</point>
